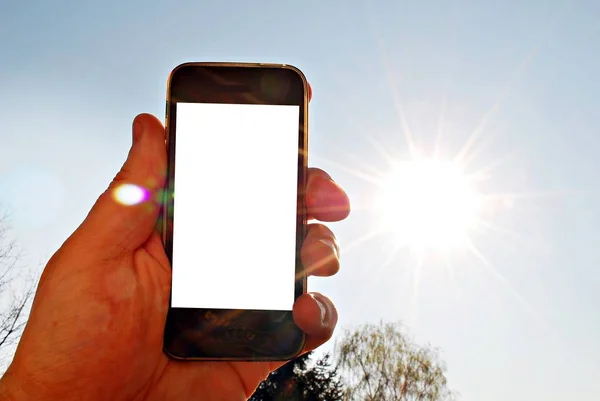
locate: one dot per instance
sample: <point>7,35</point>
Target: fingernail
<point>330,244</point>
<point>138,130</point>
<point>322,308</point>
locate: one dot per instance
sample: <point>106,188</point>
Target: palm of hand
<point>96,327</point>
<point>112,349</point>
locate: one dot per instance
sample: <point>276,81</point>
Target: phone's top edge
<point>234,64</point>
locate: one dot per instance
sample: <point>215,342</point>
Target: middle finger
<point>320,252</point>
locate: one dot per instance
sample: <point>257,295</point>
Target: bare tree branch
<point>16,293</point>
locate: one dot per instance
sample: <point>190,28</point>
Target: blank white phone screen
<point>235,195</point>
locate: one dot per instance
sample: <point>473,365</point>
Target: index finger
<point>325,200</point>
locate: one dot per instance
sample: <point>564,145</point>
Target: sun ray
<point>453,282</point>
<point>544,323</point>
<point>451,63</point>
<point>440,127</point>
<point>538,194</point>
<point>458,298</point>
<point>362,239</point>
<point>370,178</point>
<point>408,135</point>
<point>501,279</point>
<point>490,113</point>
<point>519,238</point>
<point>392,255</point>
<point>485,171</point>
<point>417,271</point>
<point>483,143</point>
<point>381,150</point>
<point>383,269</point>
<point>387,262</point>
<point>350,159</point>
<point>543,39</point>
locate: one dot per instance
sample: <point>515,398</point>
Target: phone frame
<point>168,214</point>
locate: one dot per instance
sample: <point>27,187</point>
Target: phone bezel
<point>243,89</point>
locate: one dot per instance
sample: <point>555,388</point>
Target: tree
<point>296,381</point>
<point>379,363</point>
<point>15,295</point>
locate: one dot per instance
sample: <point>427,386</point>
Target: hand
<point>96,325</point>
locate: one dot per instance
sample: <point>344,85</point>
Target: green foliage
<point>379,363</point>
<point>296,381</point>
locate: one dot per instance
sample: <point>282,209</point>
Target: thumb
<point>124,216</point>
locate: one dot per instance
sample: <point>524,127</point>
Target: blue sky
<point>74,74</point>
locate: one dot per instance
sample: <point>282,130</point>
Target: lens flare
<point>130,194</point>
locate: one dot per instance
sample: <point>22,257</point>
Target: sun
<point>428,203</point>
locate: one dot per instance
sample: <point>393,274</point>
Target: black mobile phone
<point>234,212</point>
